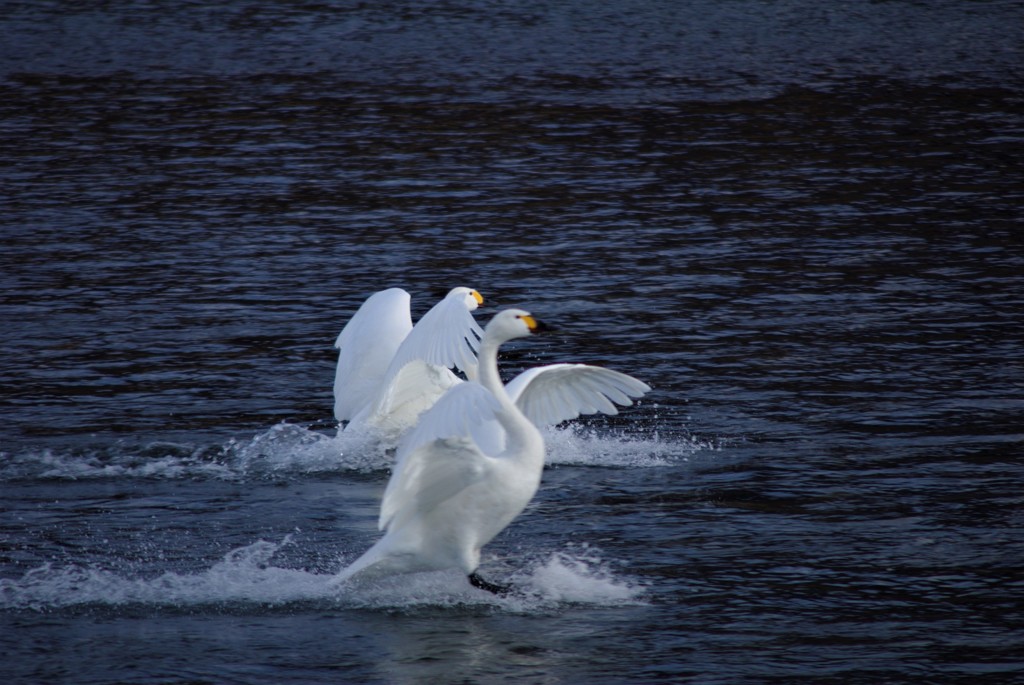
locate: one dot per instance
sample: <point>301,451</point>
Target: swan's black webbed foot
<point>494,588</point>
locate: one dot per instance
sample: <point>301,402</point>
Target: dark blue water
<point>801,224</point>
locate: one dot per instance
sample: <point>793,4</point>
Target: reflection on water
<point>799,224</point>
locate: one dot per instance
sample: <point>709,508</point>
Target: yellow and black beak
<point>534,325</point>
<point>477,296</point>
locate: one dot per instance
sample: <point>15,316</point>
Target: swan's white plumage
<point>416,372</point>
<point>399,402</point>
<point>551,394</point>
<point>447,497</point>
<point>559,392</point>
<point>367,344</point>
<point>390,372</point>
<point>468,407</point>
<point>446,336</point>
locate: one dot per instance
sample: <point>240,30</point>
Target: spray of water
<point>251,578</point>
<point>289,450</point>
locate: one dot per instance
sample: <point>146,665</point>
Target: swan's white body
<point>448,496</point>
<point>390,371</point>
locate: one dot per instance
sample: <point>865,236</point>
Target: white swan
<point>448,496</point>
<point>389,371</point>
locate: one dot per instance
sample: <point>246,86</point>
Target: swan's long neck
<point>521,432</point>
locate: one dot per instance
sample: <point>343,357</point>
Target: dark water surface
<point>801,223</point>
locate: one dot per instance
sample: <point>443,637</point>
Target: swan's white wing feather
<point>559,392</point>
<point>439,457</point>
<point>447,335</point>
<point>431,474</point>
<point>458,414</point>
<point>367,344</point>
<point>415,388</point>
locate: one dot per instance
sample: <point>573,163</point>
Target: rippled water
<point>799,223</point>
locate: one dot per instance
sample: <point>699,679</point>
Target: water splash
<point>578,575</point>
<point>243,575</point>
<point>119,460</point>
<point>247,578</point>
<point>291,450</point>
<point>579,445</point>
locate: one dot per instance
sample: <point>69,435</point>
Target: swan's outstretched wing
<point>447,335</point>
<point>559,392</point>
<point>437,473</point>
<point>439,457</point>
<point>458,414</point>
<point>367,345</point>
<point>416,387</point>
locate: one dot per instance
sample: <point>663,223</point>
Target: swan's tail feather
<point>361,567</point>
<point>380,561</point>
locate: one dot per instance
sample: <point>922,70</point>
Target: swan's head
<point>513,323</point>
<point>471,298</point>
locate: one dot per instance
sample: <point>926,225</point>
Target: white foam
<point>243,575</point>
<point>580,576</point>
<point>154,460</point>
<point>289,449</point>
<point>578,445</point>
<point>248,577</point>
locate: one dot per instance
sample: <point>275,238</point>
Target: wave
<point>247,579</point>
<point>293,450</point>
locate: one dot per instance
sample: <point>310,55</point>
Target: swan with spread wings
<point>389,371</point>
<point>474,460</point>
